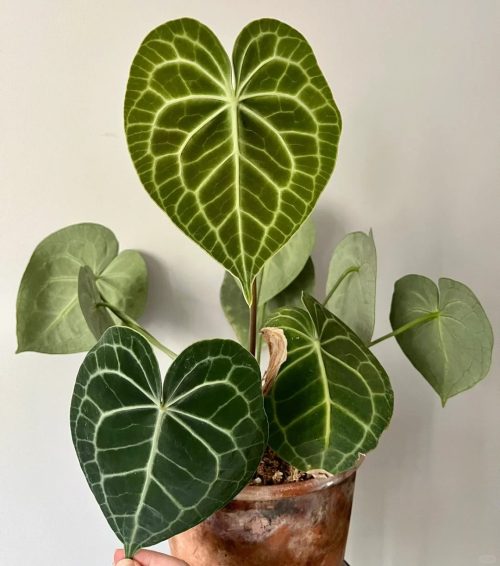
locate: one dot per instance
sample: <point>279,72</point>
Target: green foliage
<point>285,266</point>
<point>283,277</point>
<point>236,152</point>
<point>237,168</point>
<point>97,318</point>
<point>49,317</point>
<point>292,295</point>
<point>332,399</point>
<point>447,335</point>
<point>351,285</point>
<point>235,307</point>
<point>160,459</point>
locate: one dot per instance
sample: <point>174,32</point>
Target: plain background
<point>417,83</point>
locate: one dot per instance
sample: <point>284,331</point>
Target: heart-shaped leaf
<point>49,317</point>
<point>237,167</point>
<point>161,459</point>
<point>449,338</point>
<point>332,399</point>
<point>351,285</point>
<point>236,308</point>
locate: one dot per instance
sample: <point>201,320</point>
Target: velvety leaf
<point>160,459</point>
<point>236,309</point>
<point>237,168</point>
<point>452,348</point>
<point>332,399</point>
<point>98,318</point>
<point>352,279</point>
<point>49,317</point>
<point>285,266</point>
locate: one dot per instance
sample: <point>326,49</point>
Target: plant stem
<point>416,322</point>
<point>339,281</point>
<point>138,328</point>
<point>261,313</point>
<point>252,330</point>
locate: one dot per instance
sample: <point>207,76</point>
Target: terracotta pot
<point>297,524</point>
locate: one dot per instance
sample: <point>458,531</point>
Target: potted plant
<point>237,154</point>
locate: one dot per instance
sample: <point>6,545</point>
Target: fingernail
<point>126,562</point>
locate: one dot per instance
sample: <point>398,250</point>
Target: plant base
<point>298,524</point>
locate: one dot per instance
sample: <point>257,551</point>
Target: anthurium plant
<point>236,151</point>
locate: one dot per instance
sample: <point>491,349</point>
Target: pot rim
<point>295,489</point>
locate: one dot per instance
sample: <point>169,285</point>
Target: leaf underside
<point>332,399</point>
<point>160,459</point>
<point>237,167</point>
<point>452,350</point>
<point>49,317</point>
<point>353,274</point>
<point>98,319</point>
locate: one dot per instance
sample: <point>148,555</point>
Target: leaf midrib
<point>148,470</point>
<point>326,391</point>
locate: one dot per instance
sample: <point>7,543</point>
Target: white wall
<point>417,83</point>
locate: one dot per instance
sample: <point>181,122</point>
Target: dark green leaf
<point>161,459</point>
<point>332,399</point>
<point>237,168</point>
<point>49,317</point>
<point>452,349</point>
<point>351,285</point>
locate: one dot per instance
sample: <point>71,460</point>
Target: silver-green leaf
<point>351,284</point>
<point>49,317</point>
<point>449,338</point>
<point>237,166</point>
<point>160,459</point>
<point>332,399</point>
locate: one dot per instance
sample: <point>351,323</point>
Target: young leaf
<point>452,348</point>
<point>161,459</point>
<point>332,399</point>
<point>237,168</point>
<point>351,284</point>
<point>49,317</point>
<point>236,309</point>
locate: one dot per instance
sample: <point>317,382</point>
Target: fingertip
<point>119,555</point>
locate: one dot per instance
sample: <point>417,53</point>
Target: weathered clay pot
<point>296,524</point>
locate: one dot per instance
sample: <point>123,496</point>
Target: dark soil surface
<point>273,470</point>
